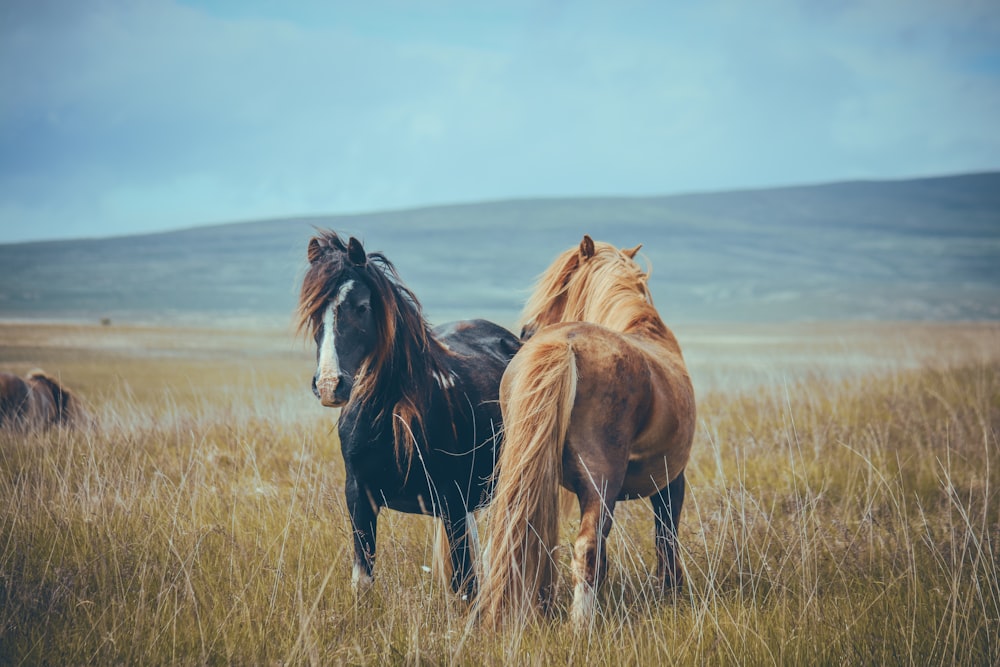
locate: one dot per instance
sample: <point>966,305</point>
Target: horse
<point>35,401</point>
<point>420,425</point>
<point>599,401</point>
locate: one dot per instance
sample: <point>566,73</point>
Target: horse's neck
<point>365,427</point>
<point>414,370</point>
<point>429,357</point>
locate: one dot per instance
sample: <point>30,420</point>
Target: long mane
<point>606,288</point>
<point>68,407</point>
<point>398,378</point>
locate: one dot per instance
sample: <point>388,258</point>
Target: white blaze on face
<point>328,372</point>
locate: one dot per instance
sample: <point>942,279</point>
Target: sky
<point>130,116</point>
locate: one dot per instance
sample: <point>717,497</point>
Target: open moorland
<point>920,249</point>
<point>843,507</point>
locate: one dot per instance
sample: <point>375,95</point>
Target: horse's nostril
<point>325,387</point>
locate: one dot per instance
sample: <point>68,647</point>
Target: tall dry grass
<point>831,517</point>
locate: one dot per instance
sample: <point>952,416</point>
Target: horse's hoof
<point>361,581</point>
<point>584,606</point>
<point>671,585</point>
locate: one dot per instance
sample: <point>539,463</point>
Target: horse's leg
<point>667,506</point>
<point>364,520</point>
<point>463,576</point>
<point>590,558</point>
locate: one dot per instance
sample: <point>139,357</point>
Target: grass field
<point>843,508</point>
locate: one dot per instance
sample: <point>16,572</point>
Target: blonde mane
<point>606,287</point>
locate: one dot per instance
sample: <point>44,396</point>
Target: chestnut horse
<point>598,400</point>
<point>36,401</point>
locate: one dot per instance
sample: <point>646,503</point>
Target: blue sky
<point>127,116</point>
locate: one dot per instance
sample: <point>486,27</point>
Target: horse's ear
<point>315,251</point>
<point>632,252</point>
<point>356,252</point>
<point>587,247</point>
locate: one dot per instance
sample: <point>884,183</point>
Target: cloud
<point>121,116</point>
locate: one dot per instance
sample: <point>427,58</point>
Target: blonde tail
<point>441,560</point>
<point>523,528</point>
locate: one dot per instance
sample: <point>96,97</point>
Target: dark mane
<point>407,357</point>
<point>327,263</point>
<point>39,400</point>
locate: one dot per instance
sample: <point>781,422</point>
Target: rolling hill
<point>922,249</point>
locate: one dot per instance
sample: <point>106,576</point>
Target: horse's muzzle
<point>332,392</point>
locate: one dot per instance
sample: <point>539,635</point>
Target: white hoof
<point>360,581</point>
<point>584,605</point>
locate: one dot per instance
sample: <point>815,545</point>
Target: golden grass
<point>843,508</point>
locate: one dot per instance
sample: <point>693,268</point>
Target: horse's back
<point>479,338</point>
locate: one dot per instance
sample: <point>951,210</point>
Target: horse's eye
<point>362,308</point>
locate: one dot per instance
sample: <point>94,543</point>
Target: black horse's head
<point>365,322</point>
<point>336,304</point>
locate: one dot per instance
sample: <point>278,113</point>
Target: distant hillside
<point>917,249</point>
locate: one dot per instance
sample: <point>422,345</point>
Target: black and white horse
<point>420,426</point>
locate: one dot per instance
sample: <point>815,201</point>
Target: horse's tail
<point>537,402</point>
<point>441,559</point>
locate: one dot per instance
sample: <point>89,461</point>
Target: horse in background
<point>598,400</point>
<point>420,423</point>
<point>35,401</point>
